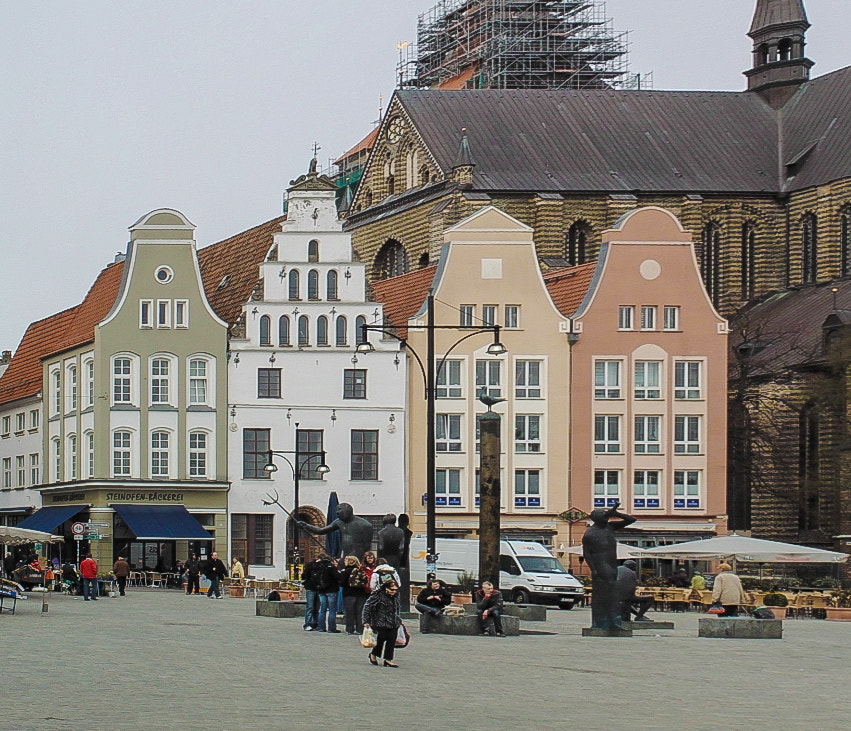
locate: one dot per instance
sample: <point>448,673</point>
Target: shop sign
<point>71,497</point>
<point>144,497</point>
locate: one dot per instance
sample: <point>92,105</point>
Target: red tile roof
<point>236,258</point>
<point>403,296</point>
<point>23,377</point>
<point>366,143</point>
<point>568,286</point>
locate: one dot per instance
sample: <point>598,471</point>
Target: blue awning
<point>162,523</point>
<point>47,519</point>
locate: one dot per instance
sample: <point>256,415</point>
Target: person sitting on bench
<point>631,603</point>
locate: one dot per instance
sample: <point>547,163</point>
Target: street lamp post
<point>430,371</point>
<point>298,462</point>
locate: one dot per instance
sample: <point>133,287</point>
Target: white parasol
<point>742,548</point>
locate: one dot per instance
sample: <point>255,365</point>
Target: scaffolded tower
<point>515,44</point>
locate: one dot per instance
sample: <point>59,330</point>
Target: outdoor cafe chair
<point>156,580</point>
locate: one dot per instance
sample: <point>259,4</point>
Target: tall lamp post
<point>298,463</point>
<point>430,370</point>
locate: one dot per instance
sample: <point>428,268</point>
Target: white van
<point>528,572</point>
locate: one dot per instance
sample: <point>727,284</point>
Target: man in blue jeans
<point>311,578</point>
<point>89,572</point>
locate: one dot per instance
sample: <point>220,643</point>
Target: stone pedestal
<point>265,608</point>
<point>523,612</point>
<point>592,632</point>
<point>648,625</point>
<point>740,628</point>
<point>468,624</point>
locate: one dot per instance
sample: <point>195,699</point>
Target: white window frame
<point>489,377</point>
<point>146,314</point>
<point>57,459</point>
<point>20,471</point>
<point>160,453</point>
<point>607,489</point>
<point>646,427</point>
<point>447,488</point>
<point>123,379</point>
<point>671,318</point>
<point>489,315</point>
<point>646,493</point>
<point>607,434</point>
<point>649,314</point>
<point>688,376</point>
<point>198,381</point>
<point>687,434</point>
<point>467,315</point>
<point>7,473</point>
<point>89,370</point>
<point>55,392</point>
<point>71,387</point>
<point>647,380</point>
<point>626,317</point>
<point>527,433</point>
<point>686,490</point>
<point>528,375</point>
<point>159,381</point>
<point>35,469</point>
<point>72,457</point>
<point>123,451</point>
<point>7,426</point>
<point>20,422</point>
<point>607,379</point>
<point>448,433</point>
<point>89,453</point>
<point>198,456</point>
<point>527,488</point>
<point>512,317</point>
<point>35,419</point>
<point>181,314</point>
<point>163,314</point>
<point>448,380</point>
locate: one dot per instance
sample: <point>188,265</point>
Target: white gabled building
<point>296,384</point>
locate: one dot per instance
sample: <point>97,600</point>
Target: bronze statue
<point>599,547</point>
<point>391,542</point>
<point>356,532</point>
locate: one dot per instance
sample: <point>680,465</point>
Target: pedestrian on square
<point>432,602</point>
<point>328,587</point>
<point>215,571</point>
<point>489,605</point>
<point>368,564</point>
<point>193,575</point>
<point>381,612</point>
<point>698,582</point>
<point>311,579</point>
<point>380,572</point>
<point>354,584</point>
<point>121,569</point>
<point>727,590</point>
<point>89,572</point>
<point>236,570</point>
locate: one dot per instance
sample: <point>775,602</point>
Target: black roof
<point>700,142</point>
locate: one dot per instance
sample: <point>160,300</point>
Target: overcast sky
<point>111,109</point>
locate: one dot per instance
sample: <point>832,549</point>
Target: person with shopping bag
<point>381,614</point>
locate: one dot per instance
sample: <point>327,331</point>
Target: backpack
<point>357,579</point>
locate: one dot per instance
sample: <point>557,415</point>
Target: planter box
<point>779,612</point>
<point>462,599</point>
<point>838,614</point>
<point>236,590</point>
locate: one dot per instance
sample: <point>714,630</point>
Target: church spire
<point>779,65</point>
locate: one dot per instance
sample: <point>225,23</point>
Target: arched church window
<point>303,331</point>
<point>710,267</point>
<point>391,260</point>
<point>265,330</point>
<point>313,250</point>
<point>809,249</point>
<point>294,287</point>
<point>331,282</point>
<point>748,260</point>
<point>577,243</point>
<point>283,330</point>
<point>808,467</point>
<point>313,285</point>
<point>844,242</point>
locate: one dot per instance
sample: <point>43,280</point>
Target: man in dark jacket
<point>193,574</point>
<point>121,569</point>
<point>431,602</point>
<point>489,606</point>
<point>312,578</point>
<point>215,571</point>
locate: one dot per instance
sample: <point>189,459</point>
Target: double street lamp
<point>301,462</point>
<point>430,371</point>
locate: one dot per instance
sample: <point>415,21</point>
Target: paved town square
<point>161,660</point>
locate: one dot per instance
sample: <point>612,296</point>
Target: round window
<point>164,274</point>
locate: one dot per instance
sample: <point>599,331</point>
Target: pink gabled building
<point>648,368</point>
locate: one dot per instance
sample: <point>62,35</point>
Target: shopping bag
<point>403,637</point>
<point>367,639</point>
<point>716,608</point>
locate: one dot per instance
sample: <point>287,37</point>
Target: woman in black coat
<point>381,612</point>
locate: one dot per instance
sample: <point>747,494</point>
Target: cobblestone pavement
<point>158,659</point>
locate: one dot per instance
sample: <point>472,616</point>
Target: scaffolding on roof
<point>515,44</point>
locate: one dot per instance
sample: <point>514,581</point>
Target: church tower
<point>779,63</point>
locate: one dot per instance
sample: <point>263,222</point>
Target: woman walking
<point>381,612</point>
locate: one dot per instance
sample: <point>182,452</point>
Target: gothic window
<point>390,174</point>
<point>748,260</point>
<point>313,251</point>
<point>313,285</point>
<point>294,285</point>
<point>391,260</point>
<point>265,330</point>
<point>577,240</point>
<point>322,330</point>
<point>808,468</point>
<point>711,265</point>
<point>424,175</point>
<point>303,331</point>
<point>283,330</point>
<point>809,249</point>
<point>411,164</point>
<point>845,241</point>
<point>341,326</point>
<point>331,285</point>
<point>360,335</point>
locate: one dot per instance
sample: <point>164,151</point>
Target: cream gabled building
<point>488,274</point>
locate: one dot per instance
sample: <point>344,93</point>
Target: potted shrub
<point>840,611</point>
<point>778,603</point>
<point>466,586</point>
